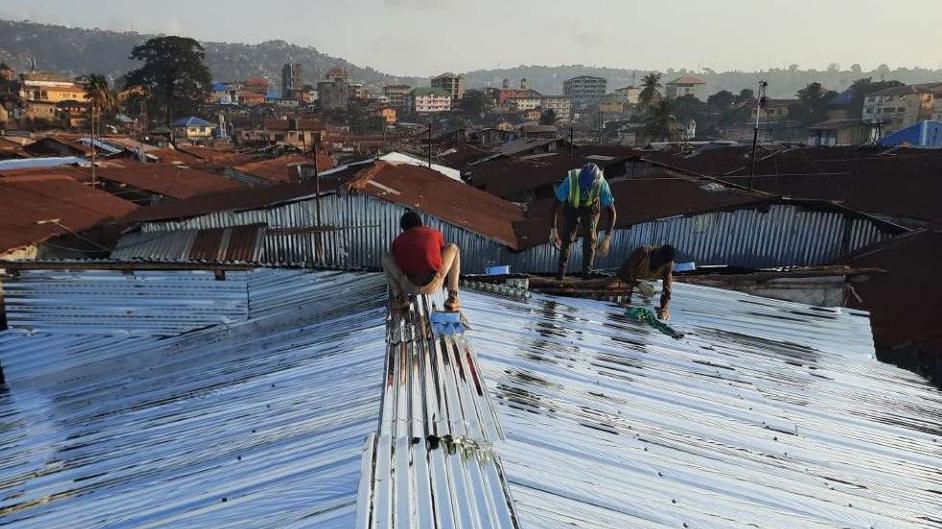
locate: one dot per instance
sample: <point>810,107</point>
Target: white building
<point>560,105</point>
<point>427,100</point>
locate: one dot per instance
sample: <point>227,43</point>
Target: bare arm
<point>666,282</point>
<point>557,205</point>
<point>612,215</point>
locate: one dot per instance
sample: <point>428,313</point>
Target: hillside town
<point>231,232</point>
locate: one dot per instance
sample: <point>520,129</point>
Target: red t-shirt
<point>418,251</point>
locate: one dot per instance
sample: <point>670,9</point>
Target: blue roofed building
<point>926,134</point>
<point>193,128</point>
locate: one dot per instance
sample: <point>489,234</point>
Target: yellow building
<point>388,114</point>
<point>49,88</point>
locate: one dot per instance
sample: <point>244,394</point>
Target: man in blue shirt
<point>582,195</point>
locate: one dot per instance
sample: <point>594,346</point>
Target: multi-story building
<point>560,105</point>
<point>259,85</point>
<point>899,107</point>
<point>585,90</point>
<point>336,73</point>
<point>388,114</point>
<point>428,100</point>
<point>42,95</point>
<point>629,94</point>
<point>358,91</point>
<point>291,83</point>
<point>525,102</point>
<point>451,83</point>
<point>684,86</point>
<point>398,95</point>
<point>774,110</point>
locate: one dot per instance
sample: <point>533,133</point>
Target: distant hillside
<point>79,51</point>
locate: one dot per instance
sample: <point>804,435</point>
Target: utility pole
<point>570,142</point>
<point>94,176</point>
<point>430,144</point>
<point>760,102</point>
<point>601,124</point>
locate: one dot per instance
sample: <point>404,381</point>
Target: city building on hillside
<point>358,91</point>
<point>193,128</point>
<point>451,83</point>
<point>629,94</point>
<point>612,104</point>
<point>774,110</point>
<point>258,85</point>
<point>49,88</point>
<point>301,133</point>
<point>684,86</point>
<point>428,100</point>
<point>6,73</point>
<point>334,92</point>
<point>388,114</point>
<point>899,107</point>
<point>525,102</point>
<point>291,82</point>
<point>249,98</point>
<point>560,105</point>
<point>398,95</point>
<point>585,90</point>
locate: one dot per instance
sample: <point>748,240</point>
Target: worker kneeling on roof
<point>421,263</point>
<point>651,263</point>
<point>582,195</point>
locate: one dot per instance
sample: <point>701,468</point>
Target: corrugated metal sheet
<point>361,229</point>
<point>238,244</point>
<point>782,235</point>
<point>431,463</point>
<point>765,414</point>
<point>152,303</point>
<point>257,424</point>
<point>40,163</point>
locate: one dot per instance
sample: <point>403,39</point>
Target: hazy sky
<point>422,37</point>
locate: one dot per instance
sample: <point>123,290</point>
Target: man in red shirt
<point>421,263</point>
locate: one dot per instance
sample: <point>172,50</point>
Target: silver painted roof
<point>765,414</point>
<point>259,423</point>
<point>555,413</point>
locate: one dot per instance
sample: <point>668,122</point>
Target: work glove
<point>663,314</point>
<point>604,245</point>
<point>554,238</point>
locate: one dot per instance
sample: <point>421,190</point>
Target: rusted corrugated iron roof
<point>431,192</point>
<point>283,169</point>
<point>170,180</point>
<point>900,182</point>
<point>38,207</point>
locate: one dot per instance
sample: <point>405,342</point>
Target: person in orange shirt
<point>421,263</point>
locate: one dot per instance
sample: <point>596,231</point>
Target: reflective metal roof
<point>549,413</point>
<point>765,414</point>
<point>254,424</point>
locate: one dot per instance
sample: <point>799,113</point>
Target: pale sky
<point>424,37</point>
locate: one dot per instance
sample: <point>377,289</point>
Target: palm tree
<point>649,91</point>
<point>660,122</point>
<point>99,94</point>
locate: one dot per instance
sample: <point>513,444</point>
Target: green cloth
<point>644,315</point>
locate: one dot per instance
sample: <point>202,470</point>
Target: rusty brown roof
<point>26,200</point>
<point>435,194</point>
<point>169,180</point>
<point>284,168</point>
<point>901,183</point>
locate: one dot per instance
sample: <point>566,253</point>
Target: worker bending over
<point>651,263</point>
<point>582,195</point>
<point>421,263</point>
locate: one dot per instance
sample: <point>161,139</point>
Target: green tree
<point>660,123</point>
<point>173,73</point>
<point>548,117</point>
<point>721,100</point>
<point>99,95</point>
<point>746,95</point>
<point>649,89</point>
<point>812,103</point>
<point>474,103</point>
